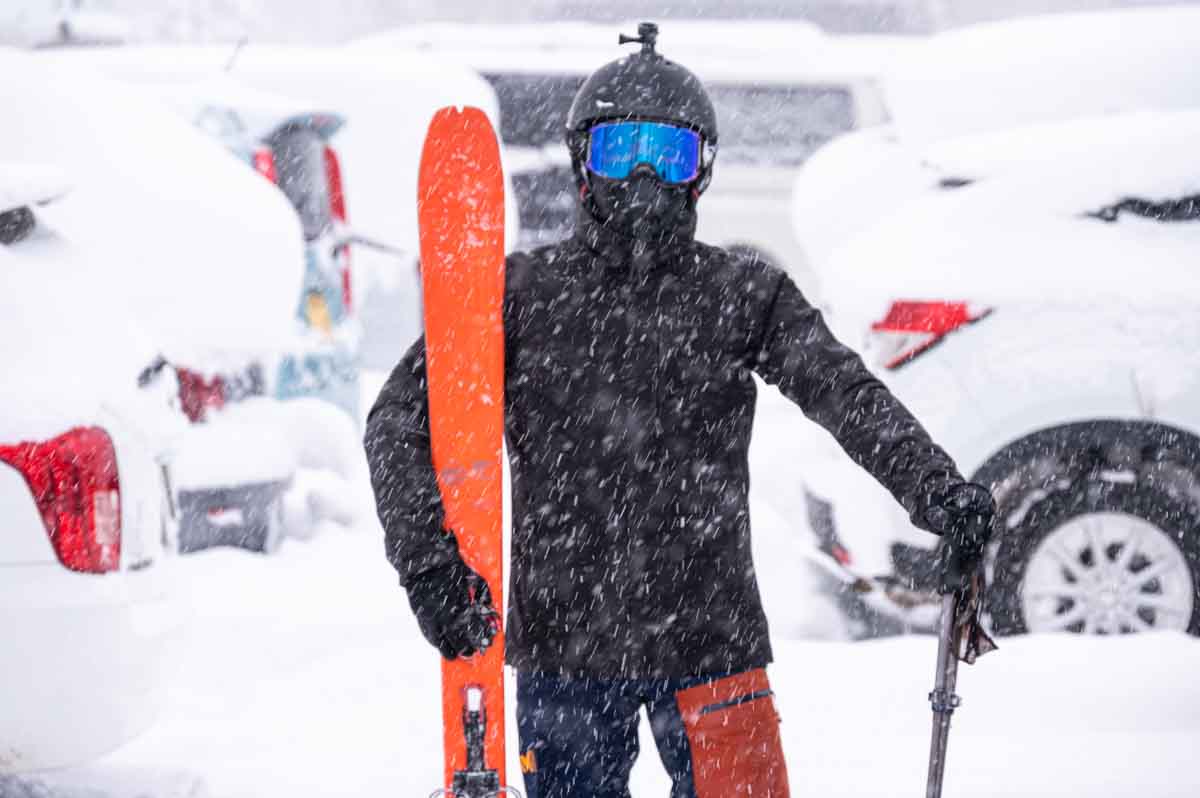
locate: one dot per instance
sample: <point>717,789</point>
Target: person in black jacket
<point>629,350</point>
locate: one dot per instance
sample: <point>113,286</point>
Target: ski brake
<point>477,781</point>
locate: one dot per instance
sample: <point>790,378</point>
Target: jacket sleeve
<point>407,497</point>
<point>799,354</point>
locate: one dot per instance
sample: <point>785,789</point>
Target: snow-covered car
<point>1012,256</point>
<point>377,150</point>
<point>209,259</point>
<point>781,89</point>
<point>1034,306</point>
<point>87,614</point>
<point>291,147</point>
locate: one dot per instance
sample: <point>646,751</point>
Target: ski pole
<point>943,699</point>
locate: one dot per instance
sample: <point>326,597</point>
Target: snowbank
<point>306,675</point>
<point>1045,68</point>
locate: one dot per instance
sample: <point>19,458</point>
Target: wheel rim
<point>1107,573</point>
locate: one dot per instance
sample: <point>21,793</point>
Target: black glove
<point>963,515</point>
<point>454,609</point>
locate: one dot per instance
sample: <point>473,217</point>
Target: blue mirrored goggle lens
<point>616,148</point>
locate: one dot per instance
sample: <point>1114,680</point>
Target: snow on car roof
<point>763,51</point>
<point>207,253</point>
<point>1029,229</point>
<point>1039,69</point>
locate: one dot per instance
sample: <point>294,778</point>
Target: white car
<point>1034,307</point>
<point>781,89</point>
<point>87,617</point>
<point>1014,257</point>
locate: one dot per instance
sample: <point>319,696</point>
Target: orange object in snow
<point>460,205</point>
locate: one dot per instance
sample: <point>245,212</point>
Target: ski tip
<point>459,115</point>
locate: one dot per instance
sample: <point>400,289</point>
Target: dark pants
<point>579,736</point>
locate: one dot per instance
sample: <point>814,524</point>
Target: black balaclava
<point>642,211</point>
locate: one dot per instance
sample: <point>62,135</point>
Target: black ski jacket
<point>628,407</point>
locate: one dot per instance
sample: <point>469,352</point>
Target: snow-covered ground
<point>305,675</point>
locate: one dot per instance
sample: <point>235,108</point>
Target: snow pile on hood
<point>1040,69</point>
<point>1026,231</point>
<point>205,252</point>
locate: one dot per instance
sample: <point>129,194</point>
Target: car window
<point>546,204</point>
<point>759,124</point>
<point>533,108</point>
<point>300,165</point>
<point>778,124</point>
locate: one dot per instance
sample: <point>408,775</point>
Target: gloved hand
<point>454,609</point>
<point>963,515</point>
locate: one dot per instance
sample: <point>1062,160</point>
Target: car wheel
<point>1100,558</point>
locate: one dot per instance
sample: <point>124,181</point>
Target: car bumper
<point>84,660</point>
<point>227,516</point>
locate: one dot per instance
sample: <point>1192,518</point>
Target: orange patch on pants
<point>733,730</point>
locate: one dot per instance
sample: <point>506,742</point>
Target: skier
<point>629,399</point>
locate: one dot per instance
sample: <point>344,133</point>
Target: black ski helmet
<point>648,87</point>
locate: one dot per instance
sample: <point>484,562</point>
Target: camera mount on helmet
<point>647,37</point>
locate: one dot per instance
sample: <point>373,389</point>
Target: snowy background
<point>303,674</point>
<point>316,21</point>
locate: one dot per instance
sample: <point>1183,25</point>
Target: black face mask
<point>643,209</point>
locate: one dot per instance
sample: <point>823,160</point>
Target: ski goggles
<point>615,149</point>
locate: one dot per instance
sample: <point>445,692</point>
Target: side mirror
<point>348,237</point>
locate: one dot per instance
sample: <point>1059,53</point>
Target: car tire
<point>1068,565</point>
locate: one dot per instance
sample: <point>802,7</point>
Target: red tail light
<point>197,395</point>
<point>911,328</point>
<point>264,164</point>
<point>337,206</point>
<point>74,482</point>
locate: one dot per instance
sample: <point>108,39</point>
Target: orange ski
<point>460,204</point>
